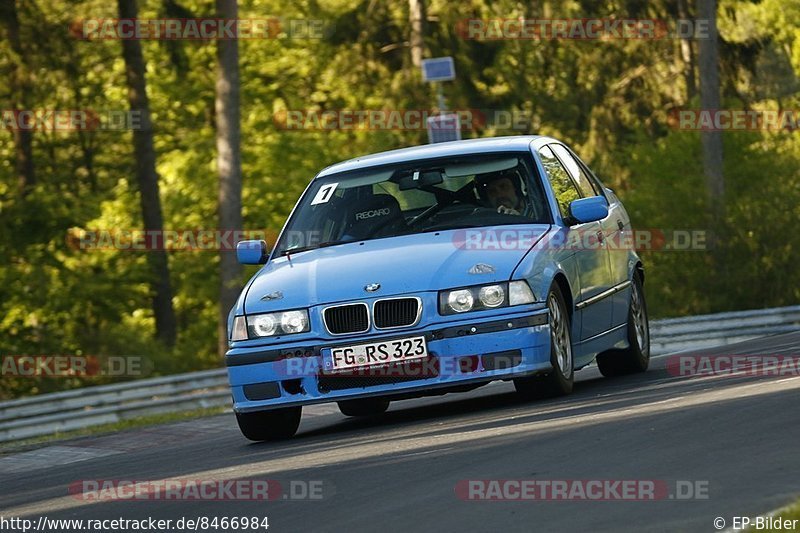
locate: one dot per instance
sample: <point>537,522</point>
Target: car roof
<point>430,151</point>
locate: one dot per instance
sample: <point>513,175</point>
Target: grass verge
<point>781,519</point>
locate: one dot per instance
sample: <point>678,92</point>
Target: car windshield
<point>416,197</point>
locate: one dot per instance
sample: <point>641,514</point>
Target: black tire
<point>636,357</point>
<point>275,424</point>
<point>560,380</point>
<point>364,406</point>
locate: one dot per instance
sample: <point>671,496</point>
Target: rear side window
<point>585,184</point>
<point>563,187</point>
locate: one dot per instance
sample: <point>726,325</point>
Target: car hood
<point>405,264</point>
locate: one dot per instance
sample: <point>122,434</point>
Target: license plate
<point>378,353</point>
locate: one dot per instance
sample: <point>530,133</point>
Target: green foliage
<point>749,261</point>
<point>610,99</point>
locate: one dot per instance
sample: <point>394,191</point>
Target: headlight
<point>294,322</point>
<point>460,301</point>
<point>280,323</point>
<point>485,297</point>
<point>264,325</point>
<point>492,295</point>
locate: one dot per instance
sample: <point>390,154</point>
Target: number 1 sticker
<point>324,194</point>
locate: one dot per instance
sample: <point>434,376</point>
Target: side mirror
<point>589,209</point>
<point>252,252</point>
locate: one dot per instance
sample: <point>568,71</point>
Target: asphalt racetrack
<point>720,445</point>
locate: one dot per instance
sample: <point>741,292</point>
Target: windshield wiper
<point>466,225</point>
<point>445,227</point>
<point>299,249</point>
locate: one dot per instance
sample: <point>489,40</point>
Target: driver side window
<point>563,187</point>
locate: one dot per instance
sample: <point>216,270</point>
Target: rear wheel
<point>363,406</point>
<point>635,358</point>
<point>270,425</point>
<point>560,380</point>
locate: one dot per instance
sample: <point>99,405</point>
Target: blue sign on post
<point>438,69</point>
<point>444,128</point>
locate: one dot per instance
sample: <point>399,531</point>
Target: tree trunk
<point>416,15</point>
<point>710,100</point>
<point>229,165</point>
<point>687,54</point>
<point>147,178</point>
<point>21,94</point>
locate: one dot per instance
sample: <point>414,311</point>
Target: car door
<point>613,226</point>
<point>588,243</point>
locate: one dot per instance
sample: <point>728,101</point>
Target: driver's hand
<point>503,210</point>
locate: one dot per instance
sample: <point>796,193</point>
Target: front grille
<point>351,318</point>
<point>380,375</point>
<point>396,313</point>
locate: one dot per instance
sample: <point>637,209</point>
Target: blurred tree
<point>229,165</point>
<point>687,52</point>
<point>21,91</point>
<point>416,15</point>
<point>147,177</point>
<point>708,62</point>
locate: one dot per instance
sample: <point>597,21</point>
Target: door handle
<point>620,225</point>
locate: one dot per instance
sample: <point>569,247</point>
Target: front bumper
<point>461,352</point>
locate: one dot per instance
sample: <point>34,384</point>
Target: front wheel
<point>560,380</point>
<point>270,425</point>
<point>636,357</point>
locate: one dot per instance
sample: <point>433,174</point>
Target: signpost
<point>445,127</point>
<point>438,69</point>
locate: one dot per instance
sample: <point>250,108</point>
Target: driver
<point>501,191</point>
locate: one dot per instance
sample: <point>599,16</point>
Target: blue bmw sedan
<point>436,269</point>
